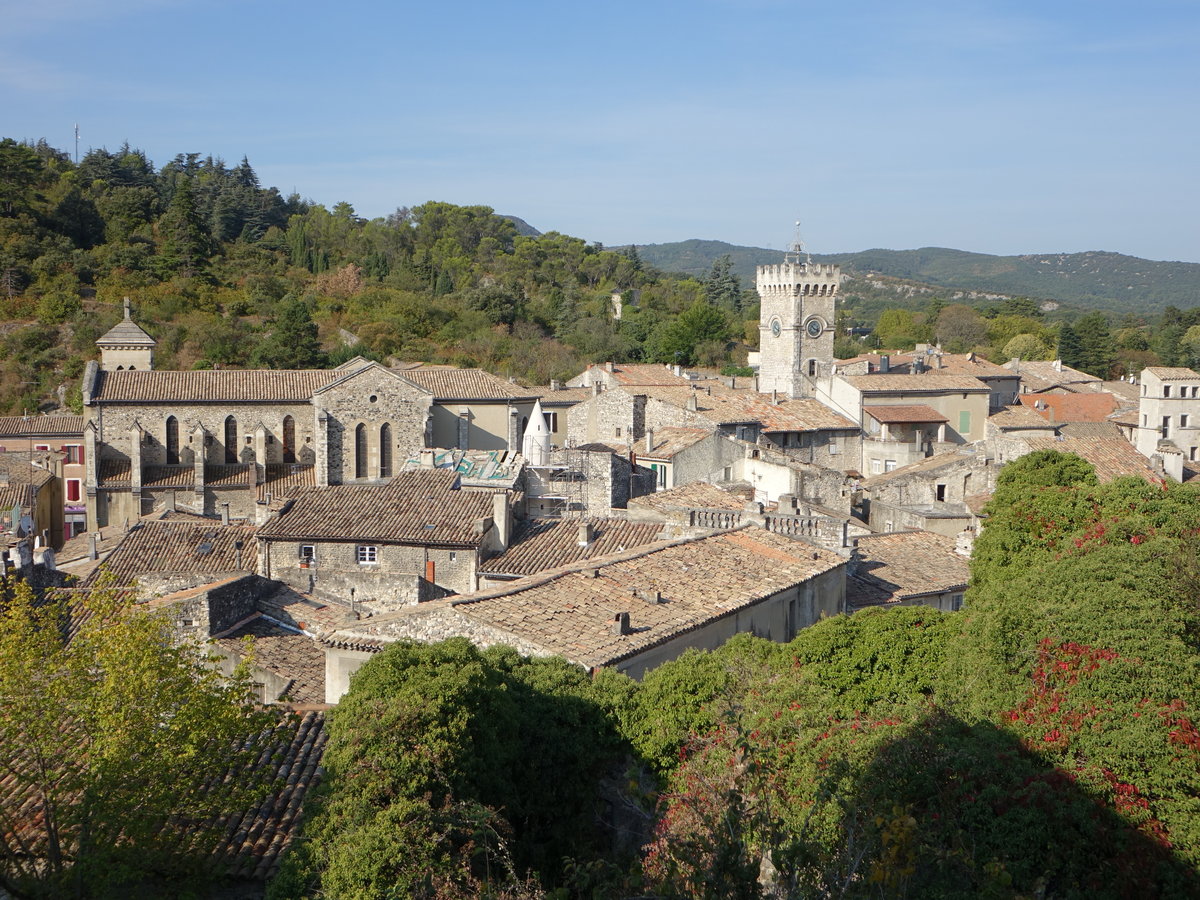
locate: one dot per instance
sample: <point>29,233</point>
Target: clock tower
<point>796,323</point>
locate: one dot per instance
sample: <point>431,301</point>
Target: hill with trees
<point>1111,282</point>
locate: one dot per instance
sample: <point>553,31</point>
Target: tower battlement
<point>808,279</point>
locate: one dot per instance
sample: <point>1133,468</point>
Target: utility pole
<point>76,143</point>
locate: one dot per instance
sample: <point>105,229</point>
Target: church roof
<point>212,385</point>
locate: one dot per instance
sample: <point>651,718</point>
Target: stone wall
<point>394,579</point>
<point>199,614</point>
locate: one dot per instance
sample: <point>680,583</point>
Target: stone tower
<point>796,323</point>
<point>126,346</point>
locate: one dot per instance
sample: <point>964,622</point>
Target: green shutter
<point>964,422</point>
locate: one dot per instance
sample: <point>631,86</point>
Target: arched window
<point>172,441</point>
<point>385,450</point>
<point>231,440</point>
<point>289,439</point>
<point>360,451</point>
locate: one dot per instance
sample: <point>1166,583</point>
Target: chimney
<point>620,624</point>
<point>502,519</point>
<point>1015,364</point>
<point>652,597</point>
<point>774,397</point>
<point>595,389</point>
<point>225,513</point>
<point>678,372</point>
<point>587,533</point>
<point>649,440</point>
<point>691,401</point>
<point>426,458</point>
<point>93,549</point>
<point>885,363</point>
<point>1058,365</point>
<point>169,502</point>
<point>555,384</point>
<point>608,366</point>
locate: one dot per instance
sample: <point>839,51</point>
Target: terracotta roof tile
<point>1019,417</point>
<point>213,386</point>
<point>905,565</point>
<point>284,652</point>
<point>726,406</point>
<point>448,384</point>
<point>1111,458</point>
<point>417,507</point>
<point>697,495</point>
<point>569,612</point>
<point>41,426</point>
<point>181,548</point>
<point>541,544</point>
<point>1071,407</point>
<point>929,382</point>
<point>286,480</point>
<point>670,441</point>
<point>1173,373</point>
<point>1050,373</point>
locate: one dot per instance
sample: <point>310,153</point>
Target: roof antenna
<point>796,248</point>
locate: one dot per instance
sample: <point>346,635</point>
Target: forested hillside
<point>1111,282</point>
<point>226,272</point>
<point>1043,742</point>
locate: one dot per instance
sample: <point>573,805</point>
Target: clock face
<point>814,328</point>
<point>776,327</point>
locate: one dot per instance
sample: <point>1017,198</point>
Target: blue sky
<point>1013,127</point>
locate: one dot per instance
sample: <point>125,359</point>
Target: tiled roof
<point>541,544</point>
<point>928,464</point>
<point>284,652</point>
<point>41,426</point>
<point>1019,417</point>
<point>697,495</point>
<point>570,611</point>
<point>1071,407</point>
<point>448,383</point>
<point>727,406</point>
<point>929,382</point>
<point>181,548</point>
<point>669,441</point>
<point>1173,373</point>
<point>230,475</point>
<point>903,565</point>
<point>12,495</point>
<point>253,840</point>
<point>21,468</point>
<point>1125,417</point>
<point>286,480</point>
<point>126,332</point>
<point>1106,430</point>
<point>417,507</point>
<point>900,415</point>
<point>168,477</point>
<point>562,396</point>
<point>213,386</point>
<point>1112,457</point>
<point>1050,373</point>
<point>114,473</point>
<point>646,374</point>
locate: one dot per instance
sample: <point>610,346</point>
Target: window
<point>308,556</point>
<point>834,450</point>
<point>1183,421</point>
<point>367,554</point>
<point>172,441</point>
<point>889,465</point>
<point>41,446</point>
<point>231,441</point>
<point>289,439</point>
<point>360,452</point>
<point>1192,454</point>
<point>618,431</point>
<point>876,466</point>
<point>1166,426</point>
<point>453,556</point>
<point>1166,390</point>
<point>551,420</point>
<point>660,474</point>
<point>73,490</point>
<point>385,450</point>
<point>939,493</point>
<point>74,453</point>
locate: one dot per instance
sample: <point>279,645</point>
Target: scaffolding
<point>559,489</point>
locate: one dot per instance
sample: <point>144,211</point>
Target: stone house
<point>1168,423</point>
<point>907,568</point>
<point>932,494</point>
<point>955,408</point>
<point>31,497</point>
<point>473,409</point>
<point>415,538</point>
<point>631,611</point>
<point>57,434</point>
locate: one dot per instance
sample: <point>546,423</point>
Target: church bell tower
<point>796,323</point>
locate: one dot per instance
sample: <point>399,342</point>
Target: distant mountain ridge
<point>1095,279</point>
